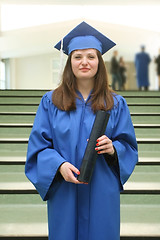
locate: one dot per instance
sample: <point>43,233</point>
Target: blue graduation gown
<point>142,61</point>
<point>80,212</point>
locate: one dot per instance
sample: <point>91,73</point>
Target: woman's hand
<point>67,170</point>
<point>104,145</point>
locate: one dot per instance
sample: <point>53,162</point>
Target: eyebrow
<point>78,53</point>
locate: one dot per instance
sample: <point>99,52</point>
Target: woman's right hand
<point>67,170</point>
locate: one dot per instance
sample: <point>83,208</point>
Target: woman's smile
<point>84,69</point>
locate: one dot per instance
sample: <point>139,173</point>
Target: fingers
<point>67,170</point>
<point>104,145</point>
<point>73,168</point>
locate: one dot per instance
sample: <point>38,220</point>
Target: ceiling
<point>40,39</point>
<point>83,2</point>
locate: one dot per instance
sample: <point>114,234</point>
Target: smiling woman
<point>79,210</point>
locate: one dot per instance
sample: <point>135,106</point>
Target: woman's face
<point>84,63</point>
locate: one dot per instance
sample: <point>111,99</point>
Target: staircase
<point>23,215</point>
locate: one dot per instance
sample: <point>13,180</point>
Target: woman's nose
<point>84,61</point>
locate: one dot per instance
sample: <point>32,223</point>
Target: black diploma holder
<point>90,154</point>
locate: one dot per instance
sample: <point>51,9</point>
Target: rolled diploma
<point>90,154</point>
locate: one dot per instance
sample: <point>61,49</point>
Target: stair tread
<point>135,186</point>
<point>23,159</point>
<point>26,139</point>
<point>31,124</point>
<point>140,229</point>
<point>13,139</point>
<point>149,159</point>
<point>40,92</point>
<point>34,113</point>
<point>41,229</point>
<point>12,158</point>
<point>16,220</point>
<point>139,212</point>
<point>142,186</point>
<point>23,124</point>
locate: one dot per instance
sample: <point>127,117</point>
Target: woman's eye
<point>77,57</point>
<point>91,57</point>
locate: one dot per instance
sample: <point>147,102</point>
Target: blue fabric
<point>142,61</point>
<point>84,42</point>
<point>80,212</point>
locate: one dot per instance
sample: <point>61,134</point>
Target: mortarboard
<point>84,36</point>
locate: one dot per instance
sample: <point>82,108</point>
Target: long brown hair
<point>101,98</point>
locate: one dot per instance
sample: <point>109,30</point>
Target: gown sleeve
<point>124,140</point>
<point>43,160</point>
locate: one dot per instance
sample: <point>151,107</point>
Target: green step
<point>15,169</point>
<point>18,108</point>
<point>12,177</point>
<point>149,100</point>
<point>33,108</point>
<point>17,132</point>
<point>139,93</point>
<point>145,119</point>
<point>26,118</point>
<point>29,118</point>
<point>145,179</point>
<point>38,92</point>
<point>145,174</point>
<point>13,149</point>
<point>16,100</point>
<point>129,199</point>
<point>147,213</point>
<point>23,93</point>
<point>24,131</point>
<point>20,160</point>
<point>134,208</point>
<point>151,149</point>
<point>144,108</point>
<point>139,215</point>
<point>139,212</point>
<point>22,213</point>
<point>26,199</point>
<point>36,100</point>
<point>147,132</point>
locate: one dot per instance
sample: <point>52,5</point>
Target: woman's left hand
<point>104,145</point>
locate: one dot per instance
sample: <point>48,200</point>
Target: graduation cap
<point>84,36</point>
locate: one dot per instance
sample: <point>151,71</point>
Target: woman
<point>122,71</point>
<point>79,211</point>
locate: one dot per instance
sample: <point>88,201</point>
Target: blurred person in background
<point>142,60</point>
<point>116,78</point>
<point>122,71</point>
<point>157,61</point>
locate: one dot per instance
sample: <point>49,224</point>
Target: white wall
<point>34,72</point>
<point>42,72</point>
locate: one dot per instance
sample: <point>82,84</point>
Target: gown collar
<point>81,99</point>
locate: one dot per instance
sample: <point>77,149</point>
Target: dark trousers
<point>116,78</point>
<point>145,88</point>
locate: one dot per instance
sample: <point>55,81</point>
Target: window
<point>57,69</point>
<point>2,75</point>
